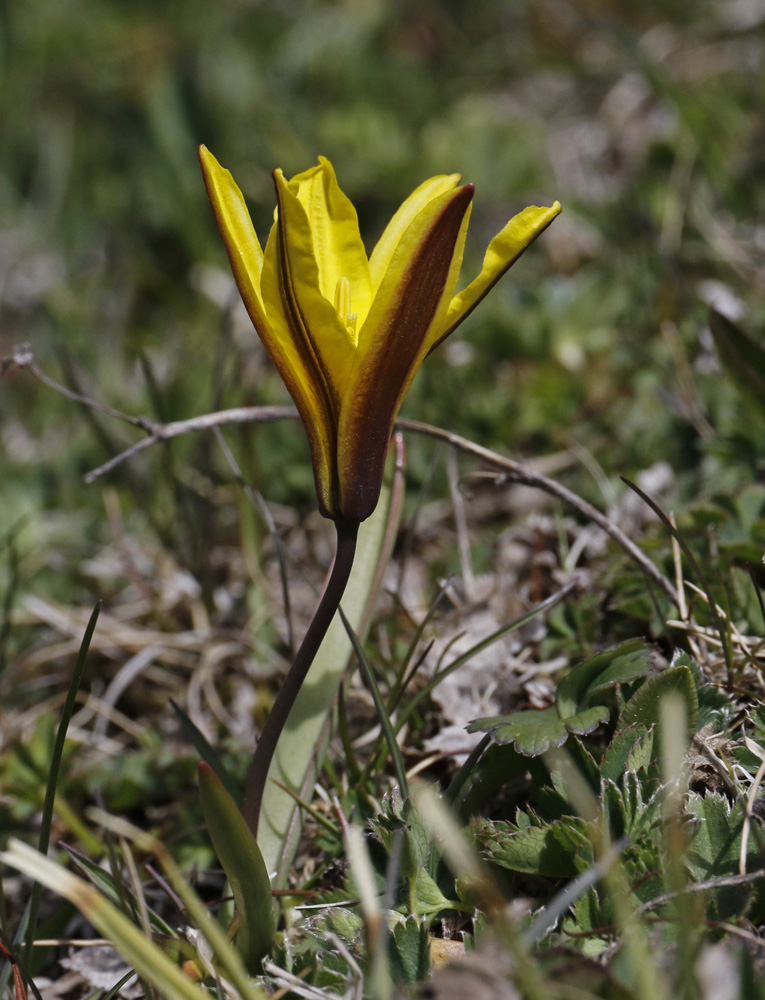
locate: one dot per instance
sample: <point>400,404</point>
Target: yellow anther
<point>343,305</point>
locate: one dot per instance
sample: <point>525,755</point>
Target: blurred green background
<point>646,121</point>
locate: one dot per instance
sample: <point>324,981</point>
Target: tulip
<point>348,333</point>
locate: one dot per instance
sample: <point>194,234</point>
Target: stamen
<point>343,305</point>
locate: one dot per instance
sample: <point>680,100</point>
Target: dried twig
<point>517,473</point>
<point>711,883</point>
<point>514,472</point>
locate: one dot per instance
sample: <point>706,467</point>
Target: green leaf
<point>715,849</point>
<point>561,849</point>
<point>428,898</point>
<point>630,749</point>
<point>632,806</point>
<point>245,870</point>
<point>534,732</point>
<point>742,357</point>
<point>409,952</point>
<point>644,706</point>
<point>618,665</point>
<point>559,766</point>
<point>208,753</point>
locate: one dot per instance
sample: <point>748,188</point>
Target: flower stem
<point>347,533</point>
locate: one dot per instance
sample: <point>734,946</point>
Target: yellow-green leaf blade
<point>245,869</point>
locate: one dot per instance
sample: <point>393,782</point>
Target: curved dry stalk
<point>515,471</point>
<point>518,473</point>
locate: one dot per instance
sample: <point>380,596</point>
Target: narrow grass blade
<point>208,753</point>
<point>225,955</point>
<point>243,864</point>
<point>382,712</point>
<point>55,767</point>
<point>106,883</point>
<point>480,646</point>
<point>149,961</point>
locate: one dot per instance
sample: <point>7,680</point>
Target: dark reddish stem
<point>347,532</point>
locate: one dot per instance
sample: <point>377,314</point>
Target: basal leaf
<point>617,665</point>
<point>714,851</point>
<point>245,870</point>
<point>306,734</point>
<point>716,845</point>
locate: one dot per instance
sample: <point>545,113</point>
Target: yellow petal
<point>293,355</point>
<point>268,316</point>
<point>242,244</point>
<point>335,234</point>
<point>406,214</point>
<point>312,317</point>
<point>503,251</point>
<point>391,345</point>
<point>247,263</point>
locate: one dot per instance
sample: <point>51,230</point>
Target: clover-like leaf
<point>534,732</point>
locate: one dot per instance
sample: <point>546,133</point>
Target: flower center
<point>343,306</point>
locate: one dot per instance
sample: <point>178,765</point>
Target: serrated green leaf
<point>587,720</point>
<point>717,843</point>
<point>245,870</point>
<point>631,748</point>
<point>561,849</point>
<point>715,849</point>
<point>409,952</point>
<point>644,706</point>
<point>535,732</point>
<point>632,806</point>
<point>618,665</point>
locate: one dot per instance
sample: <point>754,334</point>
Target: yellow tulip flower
<point>348,333</point>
